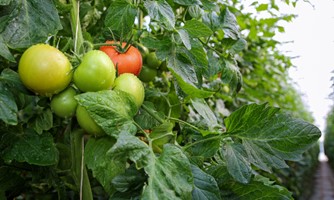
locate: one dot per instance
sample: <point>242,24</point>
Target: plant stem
<point>78,167</point>
<point>154,115</point>
<point>200,141</point>
<point>186,123</point>
<point>107,44</point>
<point>76,28</point>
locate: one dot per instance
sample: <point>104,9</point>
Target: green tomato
<point>147,74</point>
<point>131,84</point>
<point>143,50</point>
<point>152,61</point>
<point>64,104</point>
<point>87,123</point>
<point>45,70</point>
<point>96,72</point>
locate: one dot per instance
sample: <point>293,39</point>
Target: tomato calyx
<point>120,46</point>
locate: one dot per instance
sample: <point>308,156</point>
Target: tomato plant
<point>131,84</point>
<point>44,69</point>
<point>96,72</point>
<point>126,59</point>
<point>64,104</point>
<point>209,128</point>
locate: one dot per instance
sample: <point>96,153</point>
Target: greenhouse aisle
<point>324,183</point>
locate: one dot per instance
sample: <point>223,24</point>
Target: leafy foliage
<point>210,126</point>
<point>329,137</point>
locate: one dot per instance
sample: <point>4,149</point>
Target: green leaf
<point>12,79</point>
<point>112,110</point>
<point>4,51</point>
<point>198,56</point>
<point>8,107</point>
<point>237,164</point>
<point>195,11</point>
<point>162,135</point>
<point>265,137</point>
<point>229,24</point>
<point>42,122</point>
<point>214,65</point>
<point>165,129</point>
<point>262,7</point>
<point>185,38</point>
<point>238,46</point>
<point>197,29</point>
<point>232,76</point>
<point>129,182</point>
<point>188,2</point>
<point>162,12</point>
<point>145,119</point>
<point>163,46</point>
<point>207,116</point>
<point>221,175</point>
<point>25,25</point>
<point>89,15</point>
<point>130,147</point>
<point>33,148</point>
<point>260,190</point>
<point>121,17</point>
<point>206,187</point>
<point>103,167</point>
<point>234,46</point>
<point>5,2</point>
<point>211,19</point>
<point>170,176</point>
<point>206,148</point>
<point>185,75</point>
<point>167,104</point>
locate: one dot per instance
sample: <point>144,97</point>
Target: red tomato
<point>126,62</point>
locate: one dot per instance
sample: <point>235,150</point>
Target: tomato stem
<point>154,115</point>
<point>79,170</point>
<point>200,141</point>
<point>186,123</point>
<point>76,27</point>
<point>145,133</point>
<point>107,44</point>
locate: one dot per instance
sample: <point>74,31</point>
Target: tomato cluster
<point>46,71</point>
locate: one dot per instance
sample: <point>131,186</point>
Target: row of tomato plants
<point>329,137</point>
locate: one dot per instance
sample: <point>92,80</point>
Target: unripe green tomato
<point>131,84</point>
<point>143,50</point>
<point>44,70</point>
<point>87,123</point>
<point>147,74</point>
<point>152,61</point>
<point>96,72</point>
<point>63,104</point>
